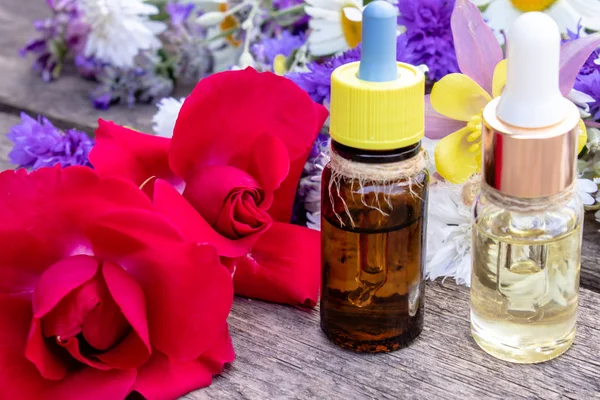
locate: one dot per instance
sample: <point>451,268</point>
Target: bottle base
<point>533,354</point>
<point>372,346</point>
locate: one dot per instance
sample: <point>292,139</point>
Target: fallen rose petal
<point>284,267</point>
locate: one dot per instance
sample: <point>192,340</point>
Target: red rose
<point>239,147</point>
<point>100,295</point>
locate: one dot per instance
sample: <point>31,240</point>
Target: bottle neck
<point>524,204</point>
<point>375,156</point>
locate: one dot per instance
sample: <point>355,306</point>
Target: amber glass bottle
<point>373,255</point>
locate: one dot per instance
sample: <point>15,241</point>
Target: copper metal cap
<point>529,163</point>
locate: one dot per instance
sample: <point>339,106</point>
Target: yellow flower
<point>458,97</point>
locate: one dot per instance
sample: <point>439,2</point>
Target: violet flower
<point>429,35</point>
<point>317,80</point>
<point>39,144</point>
<point>590,85</point>
<point>60,34</point>
<point>179,13</point>
<point>266,50</point>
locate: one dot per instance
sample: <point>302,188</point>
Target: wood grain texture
<point>590,257</point>
<point>282,354</point>
<point>6,122</point>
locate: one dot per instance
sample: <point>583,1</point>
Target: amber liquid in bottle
<point>373,255</point>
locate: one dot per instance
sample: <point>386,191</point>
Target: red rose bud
<point>238,151</point>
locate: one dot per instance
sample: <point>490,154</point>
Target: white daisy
<point>448,234</point>
<point>500,14</point>
<point>164,120</point>
<point>335,25</point>
<point>585,189</point>
<point>120,29</point>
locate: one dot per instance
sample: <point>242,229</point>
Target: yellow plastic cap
<point>377,115</point>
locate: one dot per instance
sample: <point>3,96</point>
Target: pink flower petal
<point>477,49</point>
<point>573,55</point>
<point>438,126</point>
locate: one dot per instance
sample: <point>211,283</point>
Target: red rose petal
<point>73,346</point>
<point>269,162</point>
<point>216,128</point>
<point>20,267</point>
<point>117,234</point>
<point>128,295</point>
<point>129,154</point>
<point>48,362</point>
<point>283,201</point>
<point>60,279</point>
<point>191,225</point>
<point>20,380</point>
<point>285,267</point>
<point>165,378</point>
<point>189,296</point>
<point>209,188</point>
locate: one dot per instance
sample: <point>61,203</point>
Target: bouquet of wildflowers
<point>138,51</point>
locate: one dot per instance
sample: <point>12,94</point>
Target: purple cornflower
<point>63,32</point>
<point>429,35</point>
<point>179,13</point>
<point>39,144</point>
<point>317,81</point>
<point>590,85</point>
<point>266,50</point>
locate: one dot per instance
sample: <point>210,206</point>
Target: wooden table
<point>281,353</point>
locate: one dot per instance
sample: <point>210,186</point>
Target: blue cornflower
<point>590,85</point>
<point>429,33</point>
<point>39,144</point>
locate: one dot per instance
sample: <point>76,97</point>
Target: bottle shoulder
<point>539,222</point>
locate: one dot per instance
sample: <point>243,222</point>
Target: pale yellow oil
<point>524,295</point>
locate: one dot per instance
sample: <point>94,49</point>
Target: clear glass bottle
<point>373,252</point>
<point>528,218</point>
<point>525,280</point>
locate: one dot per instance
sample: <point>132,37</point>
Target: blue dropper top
<point>378,48</point>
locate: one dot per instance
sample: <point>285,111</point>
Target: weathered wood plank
<point>65,101</point>
<point>282,354</point>
<point>6,122</point>
<point>590,257</point>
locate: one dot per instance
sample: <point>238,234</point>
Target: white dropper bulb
<point>532,97</point>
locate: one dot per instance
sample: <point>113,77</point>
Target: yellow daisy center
<point>352,29</point>
<point>532,5</point>
<point>228,23</point>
